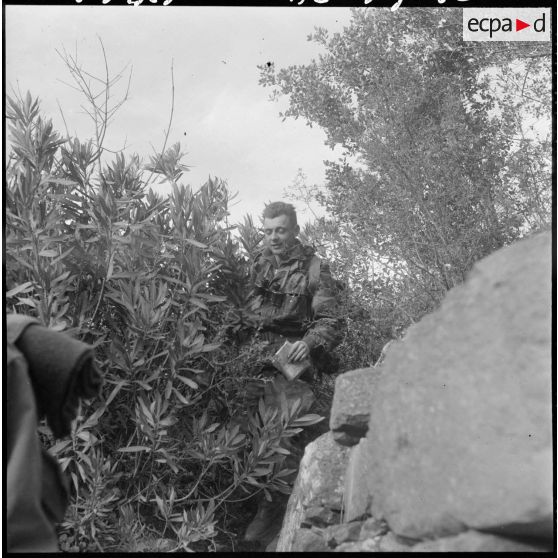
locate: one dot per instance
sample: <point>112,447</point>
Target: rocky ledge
<point>447,446</point>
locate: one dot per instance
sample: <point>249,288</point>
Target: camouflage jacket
<point>282,300</point>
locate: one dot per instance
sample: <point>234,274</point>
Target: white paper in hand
<point>291,370</point>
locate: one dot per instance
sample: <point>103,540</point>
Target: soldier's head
<point>280,226</point>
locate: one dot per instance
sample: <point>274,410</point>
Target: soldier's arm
<point>328,327</point>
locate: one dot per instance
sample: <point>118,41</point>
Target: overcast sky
<point>233,131</point>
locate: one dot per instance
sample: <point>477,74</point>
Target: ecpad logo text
<point>506,24</point>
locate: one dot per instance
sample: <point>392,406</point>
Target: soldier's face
<point>279,234</point>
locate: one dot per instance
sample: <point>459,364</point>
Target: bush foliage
<point>158,286</point>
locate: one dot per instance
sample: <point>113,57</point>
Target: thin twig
<point>63,118</point>
<point>107,97</point>
<point>168,127</point>
<point>69,85</point>
<point>100,298</point>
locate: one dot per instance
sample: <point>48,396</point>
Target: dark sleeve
<point>28,526</point>
<point>328,327</point>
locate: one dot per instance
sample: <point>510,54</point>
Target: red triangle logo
<point>519,25</point>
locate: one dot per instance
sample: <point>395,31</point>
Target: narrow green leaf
<point>28,302</point>
<point>210,347</point>
<point>188,382</point>
<point>180,397</point>
<point>282,451</point>
<point>23,288</point>
<point>48,253</point>
<point>195,243</point>
<point>212,428</point>
<point>134,449</point>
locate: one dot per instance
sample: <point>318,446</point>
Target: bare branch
<point>101,137</point>
<point>99,108</point>
<point>116,151</point>
<point>70,85</point>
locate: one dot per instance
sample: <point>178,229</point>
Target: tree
<point>437,168</point>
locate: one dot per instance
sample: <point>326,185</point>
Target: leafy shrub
<point>157,285</point>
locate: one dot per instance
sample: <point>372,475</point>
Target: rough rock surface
<point>308,540</point>
<point>350,409</point>
<point>319,484</point>
<point>357,499</point>
<point>320,516</point>
<point>368,545</point>
<point>460,419</point>
<point>346,439</point>
<point>391,542</point>
<point>372,527</point>
<point>344,532</point>
<point>473,541</point>
<point>380,542</point>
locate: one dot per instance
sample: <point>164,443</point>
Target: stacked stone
<point>317,497</point>
<point>447,446</point>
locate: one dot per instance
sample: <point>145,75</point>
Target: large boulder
<point>460,431</point>
<point>317,496</point>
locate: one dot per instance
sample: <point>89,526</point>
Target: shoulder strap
<point>314,274</point>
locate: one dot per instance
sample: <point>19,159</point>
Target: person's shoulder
<point>311,255</point>
<point>309,252</point>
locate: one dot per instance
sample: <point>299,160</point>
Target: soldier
<point>294,299</point>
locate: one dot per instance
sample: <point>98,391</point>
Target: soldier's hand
<point>299,351</point>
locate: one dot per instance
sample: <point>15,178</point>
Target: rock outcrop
<point>317,498</point>
<point>451,437</point>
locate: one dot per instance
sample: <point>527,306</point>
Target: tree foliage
<point>444,157</point>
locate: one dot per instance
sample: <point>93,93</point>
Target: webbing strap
<point>314,274</point>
